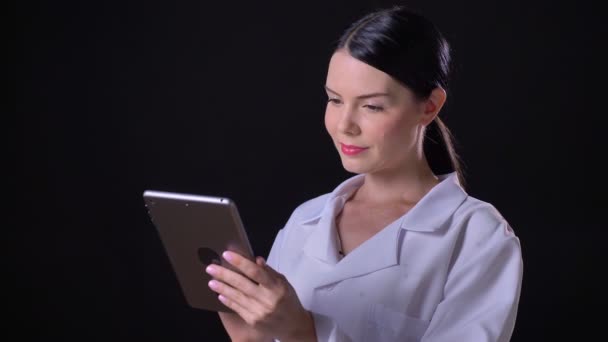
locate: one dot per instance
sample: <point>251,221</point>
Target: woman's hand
<point>271,306</point>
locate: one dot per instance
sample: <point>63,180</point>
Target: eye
<point>374,109</point>
<point>333,100</point>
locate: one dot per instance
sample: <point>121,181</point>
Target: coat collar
<point>427,215</point>
<point>344,190</point>
<point>437,206</point>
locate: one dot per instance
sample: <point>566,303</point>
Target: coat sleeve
<point>481,294</point>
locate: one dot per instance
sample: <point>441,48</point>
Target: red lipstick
<point>351,150</point>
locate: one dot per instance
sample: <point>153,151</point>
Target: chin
<point>354,167</point>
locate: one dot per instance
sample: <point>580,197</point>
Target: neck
<point>405,184</point>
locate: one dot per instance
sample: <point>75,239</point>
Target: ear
<point>432,105</point>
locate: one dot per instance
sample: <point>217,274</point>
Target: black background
<point>227,98</point>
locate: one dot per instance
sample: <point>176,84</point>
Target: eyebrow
<point>361,96</point>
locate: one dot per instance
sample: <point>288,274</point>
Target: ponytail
<point>440,152</point>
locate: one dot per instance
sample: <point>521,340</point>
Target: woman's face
<point>374,121</point>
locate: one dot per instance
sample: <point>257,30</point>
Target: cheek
<point>397,134</point>
<point>330,122</point>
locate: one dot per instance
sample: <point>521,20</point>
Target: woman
<point>399,251</point>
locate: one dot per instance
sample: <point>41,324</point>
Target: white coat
<point>450,269</point>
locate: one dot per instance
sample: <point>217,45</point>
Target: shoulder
<point>483,245</point>
<point>479,213</point>
<point>303,218</point>
<point>479,223</point>
<point>313,208</point>
<point>481,231</point>
<point>309,210</point>
<point>290,235</point>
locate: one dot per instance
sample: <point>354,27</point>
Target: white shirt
<point>450,269</point>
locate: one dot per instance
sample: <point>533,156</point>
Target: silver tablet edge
<point>186,197</point>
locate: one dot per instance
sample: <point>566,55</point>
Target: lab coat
<point>450,269</point>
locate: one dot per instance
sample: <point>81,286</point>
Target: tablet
<point>194,231</point>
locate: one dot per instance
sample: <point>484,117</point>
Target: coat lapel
<point>382,250</point>
<point>377,253</point>
<point>322,241</point>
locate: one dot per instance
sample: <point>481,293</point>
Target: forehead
<point>349,75</point>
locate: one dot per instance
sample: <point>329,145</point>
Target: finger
<point>234,296</point>
<point>272,273</point>
<point>249,268</point>
<point>236,307</point>
<point>234,279</point>
<point>247,308</point>
<point>279,281</point>
<point>258,293</point>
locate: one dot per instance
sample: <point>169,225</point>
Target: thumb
<point>260,261</point>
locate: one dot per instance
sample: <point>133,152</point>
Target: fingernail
<point>222,298</point>
<point>213,284</point>
<point>210,269</point>
<point>227,255</point>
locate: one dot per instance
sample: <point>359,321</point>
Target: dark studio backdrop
<point>227,98</point>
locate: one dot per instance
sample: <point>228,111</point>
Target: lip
<point>351,150</point>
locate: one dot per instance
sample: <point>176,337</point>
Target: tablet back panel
<point>195,230</point>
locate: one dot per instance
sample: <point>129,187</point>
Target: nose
<point>348,124</point>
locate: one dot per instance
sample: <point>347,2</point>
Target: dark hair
<point>410,48</point>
